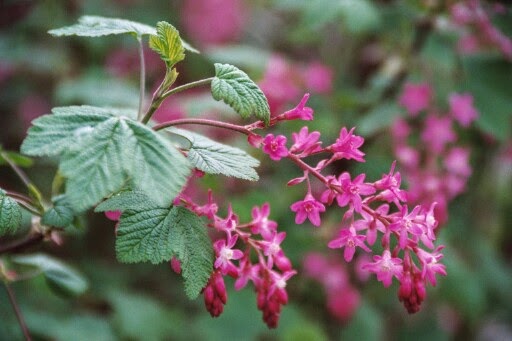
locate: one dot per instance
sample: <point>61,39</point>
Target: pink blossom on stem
<point>113,215</point>
<point>415,97</point>
<point>350,240</point>
<point>309,208</point>
<point>346,146</point>
<point>462,109</point>
<point>229,224</point>
<point>352,190</point>
<point>247,271</point>
<point>209,210</point>
<point>260,223</point>
<point>385,267</point>
<point>275,147</point>
<point>215,295</point>
<point>371,224</point>
<point>305,142</point>
<point>407,223</point>
<point>430,264</point>
<point>300,112</point>
<point>226,253</point>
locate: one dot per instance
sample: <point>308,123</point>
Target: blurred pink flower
<point>438,132</point>
<point>318,78</point>
<point>457,161</point>
<point>415,97</point>
<point>213,22</point>
<point>462,109</point>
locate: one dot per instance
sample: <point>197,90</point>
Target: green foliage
<point>100,151</point>
<point>16,158</point>
<point>237,90</point>
<point>60,277</point>
<point>216,158</point>
<point>193,248</point>
<point>10,214</point>
<point>489,80</point>
<point>156,234</point>
<point>126,200</point>
<point>96,26</point>
<point>167,44</point>
<point>60,215</point>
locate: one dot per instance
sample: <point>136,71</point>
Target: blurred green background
<point>370,49</point>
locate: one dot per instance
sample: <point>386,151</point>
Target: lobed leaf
<point>100,151</point>
<point>126,200</point>
<point>216,158</point>
<point>237,90</point>
<point>10,214</point>
<point>167,44</point>
<point>59,276</point>
<point>96,26</point>
<point>192,246</point>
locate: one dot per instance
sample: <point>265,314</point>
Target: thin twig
<point>20,244</point>
<point>205,122</point>
<point>17,311</point>
<point>142,81</point>
<point>23,177</point>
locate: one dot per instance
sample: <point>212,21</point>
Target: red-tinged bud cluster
<point>215,295</point>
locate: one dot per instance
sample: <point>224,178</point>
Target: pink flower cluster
<point>472,16</point>
<point>282,83</point>
<point>437,169</point>
<point>235,245</point>
<point>371,209</point>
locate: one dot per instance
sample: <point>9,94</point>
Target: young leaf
<point>10,214</point>
<point>167,44</point>
<point>96,26</point>
<point>100,151</point>
<point>217,158</point>
<point>59,276</point>
<point>237,90</point>
<point>60,215</point>
<point>192,246</point>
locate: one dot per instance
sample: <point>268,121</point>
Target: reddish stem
<point>205,122</point>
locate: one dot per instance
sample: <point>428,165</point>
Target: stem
<point>205,122</point>
<point>17,245</point>
<point>23,177</point>
<point>155,104</point>
<point>304,166</point>
<point>142,81</point>
<point>17,311</point>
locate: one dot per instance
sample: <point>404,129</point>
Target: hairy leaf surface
<point>216,158</point>
<point>60,215</point>
<point>237,90</point>
<point>10,214</point>
<point>100,151</point>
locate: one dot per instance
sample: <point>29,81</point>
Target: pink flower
<point>260,223</point>
<point>371,224</point>
<point>408,223</point>
<point>438,132</point>
<point>215,295</point>
<point>346,146</point>
<point>415,97</point>
<point>457,161</point>
<point>308,208</point>
<point>254,140</point>
<point>113,215</point>
<point>318,78</point>
<point>247,271</point>
<point>299,112</point>
<point>389,184</point>
<point>350,240</point>
<point>385,267</point>
<point>209,210</point>
<point>352,190</point>
<point>272,246</point>
<point>225,254</point>
<point>305,142</point>
<point>229,224</point>
<point>275,147</point>
<point>430,265</point>
<point>462,109</point>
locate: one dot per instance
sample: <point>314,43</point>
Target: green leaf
<point>96,26</point>
<point>192,246</point>
<point>126,200</point>
<point>10,214</point>
<point>59,276</point>
<point>217,158</point>
<point>101,151</point>
<point>167,44</point>
<point>237,90</point>
<point>156,234</point>
<point>16,158</point>
<point>60,215</point>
